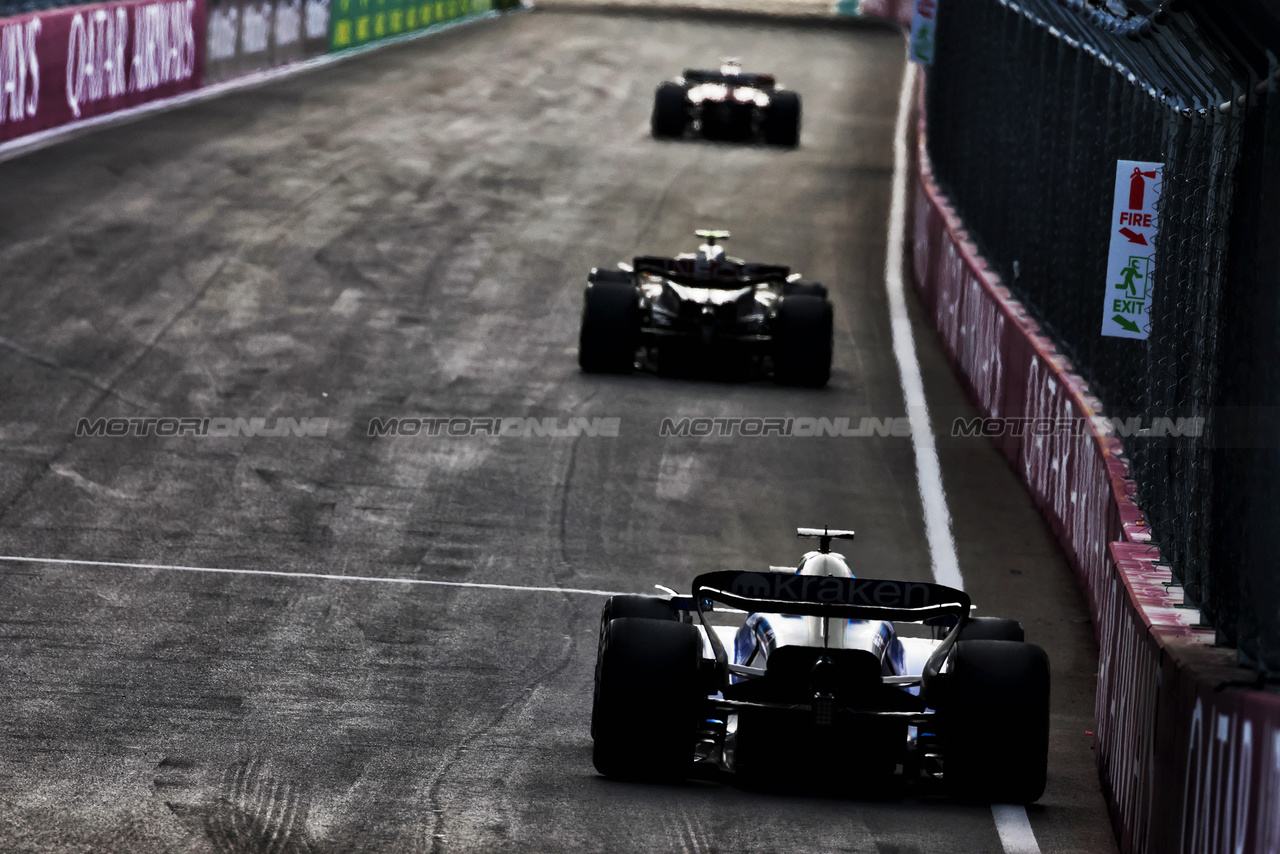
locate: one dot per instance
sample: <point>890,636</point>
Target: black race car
<point>706,312</point>
<point>821,680</point>
<point>728,105</point>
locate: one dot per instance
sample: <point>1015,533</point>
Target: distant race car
<point>823,682</point>
<point>728,105</point>
<point>706,310</point>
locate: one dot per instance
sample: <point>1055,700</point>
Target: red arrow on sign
<point>1133,236</point>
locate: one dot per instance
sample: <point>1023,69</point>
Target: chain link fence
<point>1030,103</point>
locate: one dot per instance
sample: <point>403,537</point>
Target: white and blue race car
<point>824,679</point>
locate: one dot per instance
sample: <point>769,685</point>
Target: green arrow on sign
<point>1125,323</point>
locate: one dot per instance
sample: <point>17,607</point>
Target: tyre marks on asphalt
<point>252,807</point>
<point>259,811</point>
<point>107,388</point>
<point>435,790</point>
<point>693,837</point>
<point>565,571</point>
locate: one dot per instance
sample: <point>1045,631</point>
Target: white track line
<point>376,579</point>
<point>937,518</point>
<point>1011,821</point>
<point>1015,829</point>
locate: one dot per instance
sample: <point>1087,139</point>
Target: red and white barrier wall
<point>1189,755</point>
<point>64,65</point>
<point>78,64</point>
<point>892,10</point>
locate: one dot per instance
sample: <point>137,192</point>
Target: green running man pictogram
<point>1131,274</point>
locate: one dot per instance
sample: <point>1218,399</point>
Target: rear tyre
<point>621,607</point>
<point>802,330</point>
<point>781,122</point>
<point>996,722</point>
<point>993,628</point>
<point>606,275</point>
<point>610,328</point>
<point>670,111</point>
<point>645,718</point>
<point>642,607</point>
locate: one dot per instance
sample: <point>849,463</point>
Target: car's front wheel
<point>645,717</point>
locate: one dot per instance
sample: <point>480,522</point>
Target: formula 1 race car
<point>823,683</point>
<point>727,105</point>
<point>706,310</point>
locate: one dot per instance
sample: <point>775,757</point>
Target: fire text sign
<point>1126,305</point>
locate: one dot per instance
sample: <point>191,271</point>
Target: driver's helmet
<point>710,252</point>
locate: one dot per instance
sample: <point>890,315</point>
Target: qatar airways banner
<point>69,64</point>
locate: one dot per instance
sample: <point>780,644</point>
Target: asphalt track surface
<point>407,234</point>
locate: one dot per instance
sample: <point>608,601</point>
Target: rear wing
<point>722,273</point>
<point>834,598</point>
<point>829,596</point>
<point>756,81</point>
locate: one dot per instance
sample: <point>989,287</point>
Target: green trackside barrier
<point>353,23</point>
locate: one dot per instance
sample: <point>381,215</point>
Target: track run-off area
<point>344,642</point>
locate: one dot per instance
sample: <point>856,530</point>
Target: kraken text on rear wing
<point>830,596</point>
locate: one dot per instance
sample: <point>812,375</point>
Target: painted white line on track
<point>45,138</point>
<point>1012,824</point>
<point>374,579</point>
<point>1015,829</point>
<point>933,498</point>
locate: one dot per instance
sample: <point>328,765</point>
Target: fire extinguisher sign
<point>1126,305</point>
<point>923,23</point>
